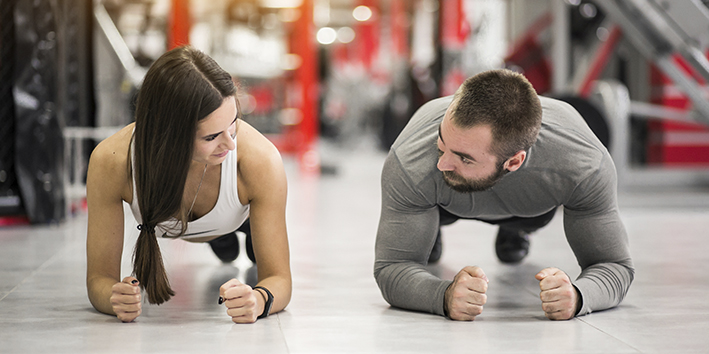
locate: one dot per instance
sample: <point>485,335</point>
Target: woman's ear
<point>515,162</point>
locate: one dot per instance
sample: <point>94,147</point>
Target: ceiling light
<point>326,35</point>
<point>362,13</point>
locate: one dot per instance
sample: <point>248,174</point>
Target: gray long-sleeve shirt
<point>566,166</point>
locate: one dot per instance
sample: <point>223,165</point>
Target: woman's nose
<point>230,143</point>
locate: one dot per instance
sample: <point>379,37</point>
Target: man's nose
<point>444,163</point>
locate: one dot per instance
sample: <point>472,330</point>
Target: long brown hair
<point>181,88</point>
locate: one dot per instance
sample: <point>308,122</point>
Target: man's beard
<point>463,185</point>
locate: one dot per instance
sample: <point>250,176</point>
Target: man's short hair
<point>504,100</point>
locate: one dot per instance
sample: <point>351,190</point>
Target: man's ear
<point>515,162</point>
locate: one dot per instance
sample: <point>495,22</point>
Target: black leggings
<point>528,225</point>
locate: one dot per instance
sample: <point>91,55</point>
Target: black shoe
<point>245,228</point>
<point>226,247</point>
<point>250,248</point>
<point>511,246</point>
<point>437,250</point>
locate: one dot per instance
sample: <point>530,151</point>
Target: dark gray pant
<point>528,225</point>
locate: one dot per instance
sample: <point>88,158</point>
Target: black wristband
<point>268,300</point>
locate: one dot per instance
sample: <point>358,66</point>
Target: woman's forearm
<point>281,288</point>
<point>99,291</point>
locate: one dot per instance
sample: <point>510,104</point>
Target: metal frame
<point>659,30</point>
<point>613,97</point>
<point>75,165</point>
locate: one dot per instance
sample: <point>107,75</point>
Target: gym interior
<point>331,83</point>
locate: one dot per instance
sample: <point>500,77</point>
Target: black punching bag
<point>39,144</point>
<point>10,204</point>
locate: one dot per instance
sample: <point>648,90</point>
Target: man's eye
<point>466,161</point>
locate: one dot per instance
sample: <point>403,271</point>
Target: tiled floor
<point>336,305</point>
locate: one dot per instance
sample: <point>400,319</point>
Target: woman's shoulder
<point>254,148</point>
<point>114,148</point>
<point>259,161</point>
<point>109,160</point>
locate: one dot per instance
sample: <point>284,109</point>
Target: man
<point>497,152</point>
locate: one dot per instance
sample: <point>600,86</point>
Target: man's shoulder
<point>409,182</point>
<point>411,165</point>
<point>423,123</point>
<point>436,106</point>
<point>415,150</point>
<point>566,153</point>
<point>558,114</point>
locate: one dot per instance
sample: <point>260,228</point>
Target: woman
<point>190,168</point>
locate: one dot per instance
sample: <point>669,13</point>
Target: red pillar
<point>367,38</point>
<point>399,29</point>
<point>179,24</point>
<point>600,60</point>
<point>454,28</point>
<point>453,33</point>
<point>306,78</point>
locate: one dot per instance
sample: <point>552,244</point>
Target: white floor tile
<point>336,306</point>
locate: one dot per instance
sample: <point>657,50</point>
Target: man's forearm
<point>603,286</point>
<point>410,286</point>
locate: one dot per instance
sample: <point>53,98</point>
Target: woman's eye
<point>210,138</point>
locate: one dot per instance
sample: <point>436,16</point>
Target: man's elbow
<point>382,279</point>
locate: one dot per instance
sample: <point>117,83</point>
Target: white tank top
<point>226,216</point>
